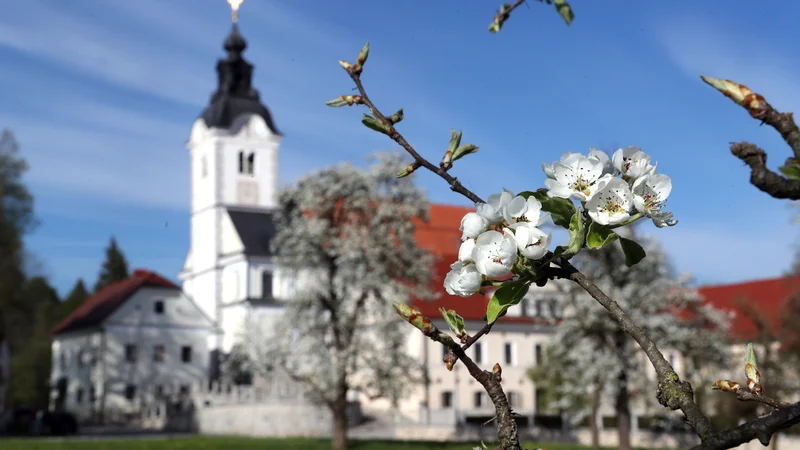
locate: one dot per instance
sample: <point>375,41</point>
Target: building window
<point>509,353</point>
<point>251,163</point>
<point>158,353</point>
<point>478,352</point>
<point>159,390</point>
<point>513,400</point>
<point>538,354</point>
<point>447,399</point>
<point>247,164</point>
<point>538,306</point>
<point>62,360</point>
<point>130,353</point>
<point>130,392</point>
<point>186,354</point>
<point>79,396</point>
<point>444,351</point>
<point>478,399</point>
<point>92,394</point>
<point>266,285</point>
<point>158,307</point>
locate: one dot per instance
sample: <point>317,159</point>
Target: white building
<point>133,342</point>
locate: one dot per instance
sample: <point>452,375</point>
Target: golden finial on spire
<point>235,4</point>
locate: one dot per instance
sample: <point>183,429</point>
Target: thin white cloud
<point>702,48</point>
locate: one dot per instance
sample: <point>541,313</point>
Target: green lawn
<point>215,443</point>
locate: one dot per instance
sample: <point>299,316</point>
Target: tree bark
<point>593,426</point>
<point>339,411</point>
<point>623,408</point>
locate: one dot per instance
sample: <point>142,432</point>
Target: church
<point>147,337</point>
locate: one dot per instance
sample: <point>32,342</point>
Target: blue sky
<point>102,95</point>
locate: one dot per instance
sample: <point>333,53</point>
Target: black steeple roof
<point>235,94</point>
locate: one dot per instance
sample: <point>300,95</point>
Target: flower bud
<point>754,103</point>
<point>414,317</point>
<point>497,371</point>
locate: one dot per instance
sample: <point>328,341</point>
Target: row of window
<point>247,164</point>
<point>509,353</point>
<point>159,352</point>
<point>130,392</point>
<point>480,399</point>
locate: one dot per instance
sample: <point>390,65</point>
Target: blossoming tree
<point>347,237</point>
<point>591,196</point>
<point>591,354</point>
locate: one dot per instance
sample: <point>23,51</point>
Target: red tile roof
<point>98,307</point>
<point>766,296</point>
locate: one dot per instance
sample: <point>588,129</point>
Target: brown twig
<point>746,395</point>
<point>455,185</point>
<point>761,177</point>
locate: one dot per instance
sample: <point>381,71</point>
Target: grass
<point>233,443</point>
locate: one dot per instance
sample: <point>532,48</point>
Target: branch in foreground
<point>748,395</point>
<point>672,392</point>
<point>761,429</point>
<point>506,425</point>
<point>761,177</point>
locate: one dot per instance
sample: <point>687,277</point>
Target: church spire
<point>235,94</point>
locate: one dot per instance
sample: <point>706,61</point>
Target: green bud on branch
<point>464,150</point>
<point>751,369</point>
<point>345,100</point>
<point>456,324</point>
<point>375,124</point>
<point>497,371</point>
<point>396,117</point>
<point>754,103</point>
<point>455,141</point>
<point>408,170</point>
<point>362,58</point>
<point>346,65</point>
<point>726,386</point>
<point>414,317</point>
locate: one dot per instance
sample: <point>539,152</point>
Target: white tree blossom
<point>349,237</point>
<point>632,162</point>
<point>576,177</point>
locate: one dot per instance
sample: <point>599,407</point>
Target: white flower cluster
<point>490,253</point>
<point>610,200</point>
<point>614,191</point>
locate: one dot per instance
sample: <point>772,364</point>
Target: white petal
<point>465,250</point>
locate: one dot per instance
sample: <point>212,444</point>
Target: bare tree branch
<point>764,179</point>
<point>672,392</point>
<point>761,429</point>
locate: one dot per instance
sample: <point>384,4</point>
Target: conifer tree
<point>115,267</point>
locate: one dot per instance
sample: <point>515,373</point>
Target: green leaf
<point>750,356</point>
<point>454,321</point>
<point>633,251</point>
<point>577,235</point>
<point>791,172</point>
<point>374,124</point>
<point>396,117</point>
<point>464,150</point>
<point>599,235</point>
<point>510,294</point>
<point>564,10</point>
<point>560,209</point>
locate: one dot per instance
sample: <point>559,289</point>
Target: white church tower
<point>233,148</point>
